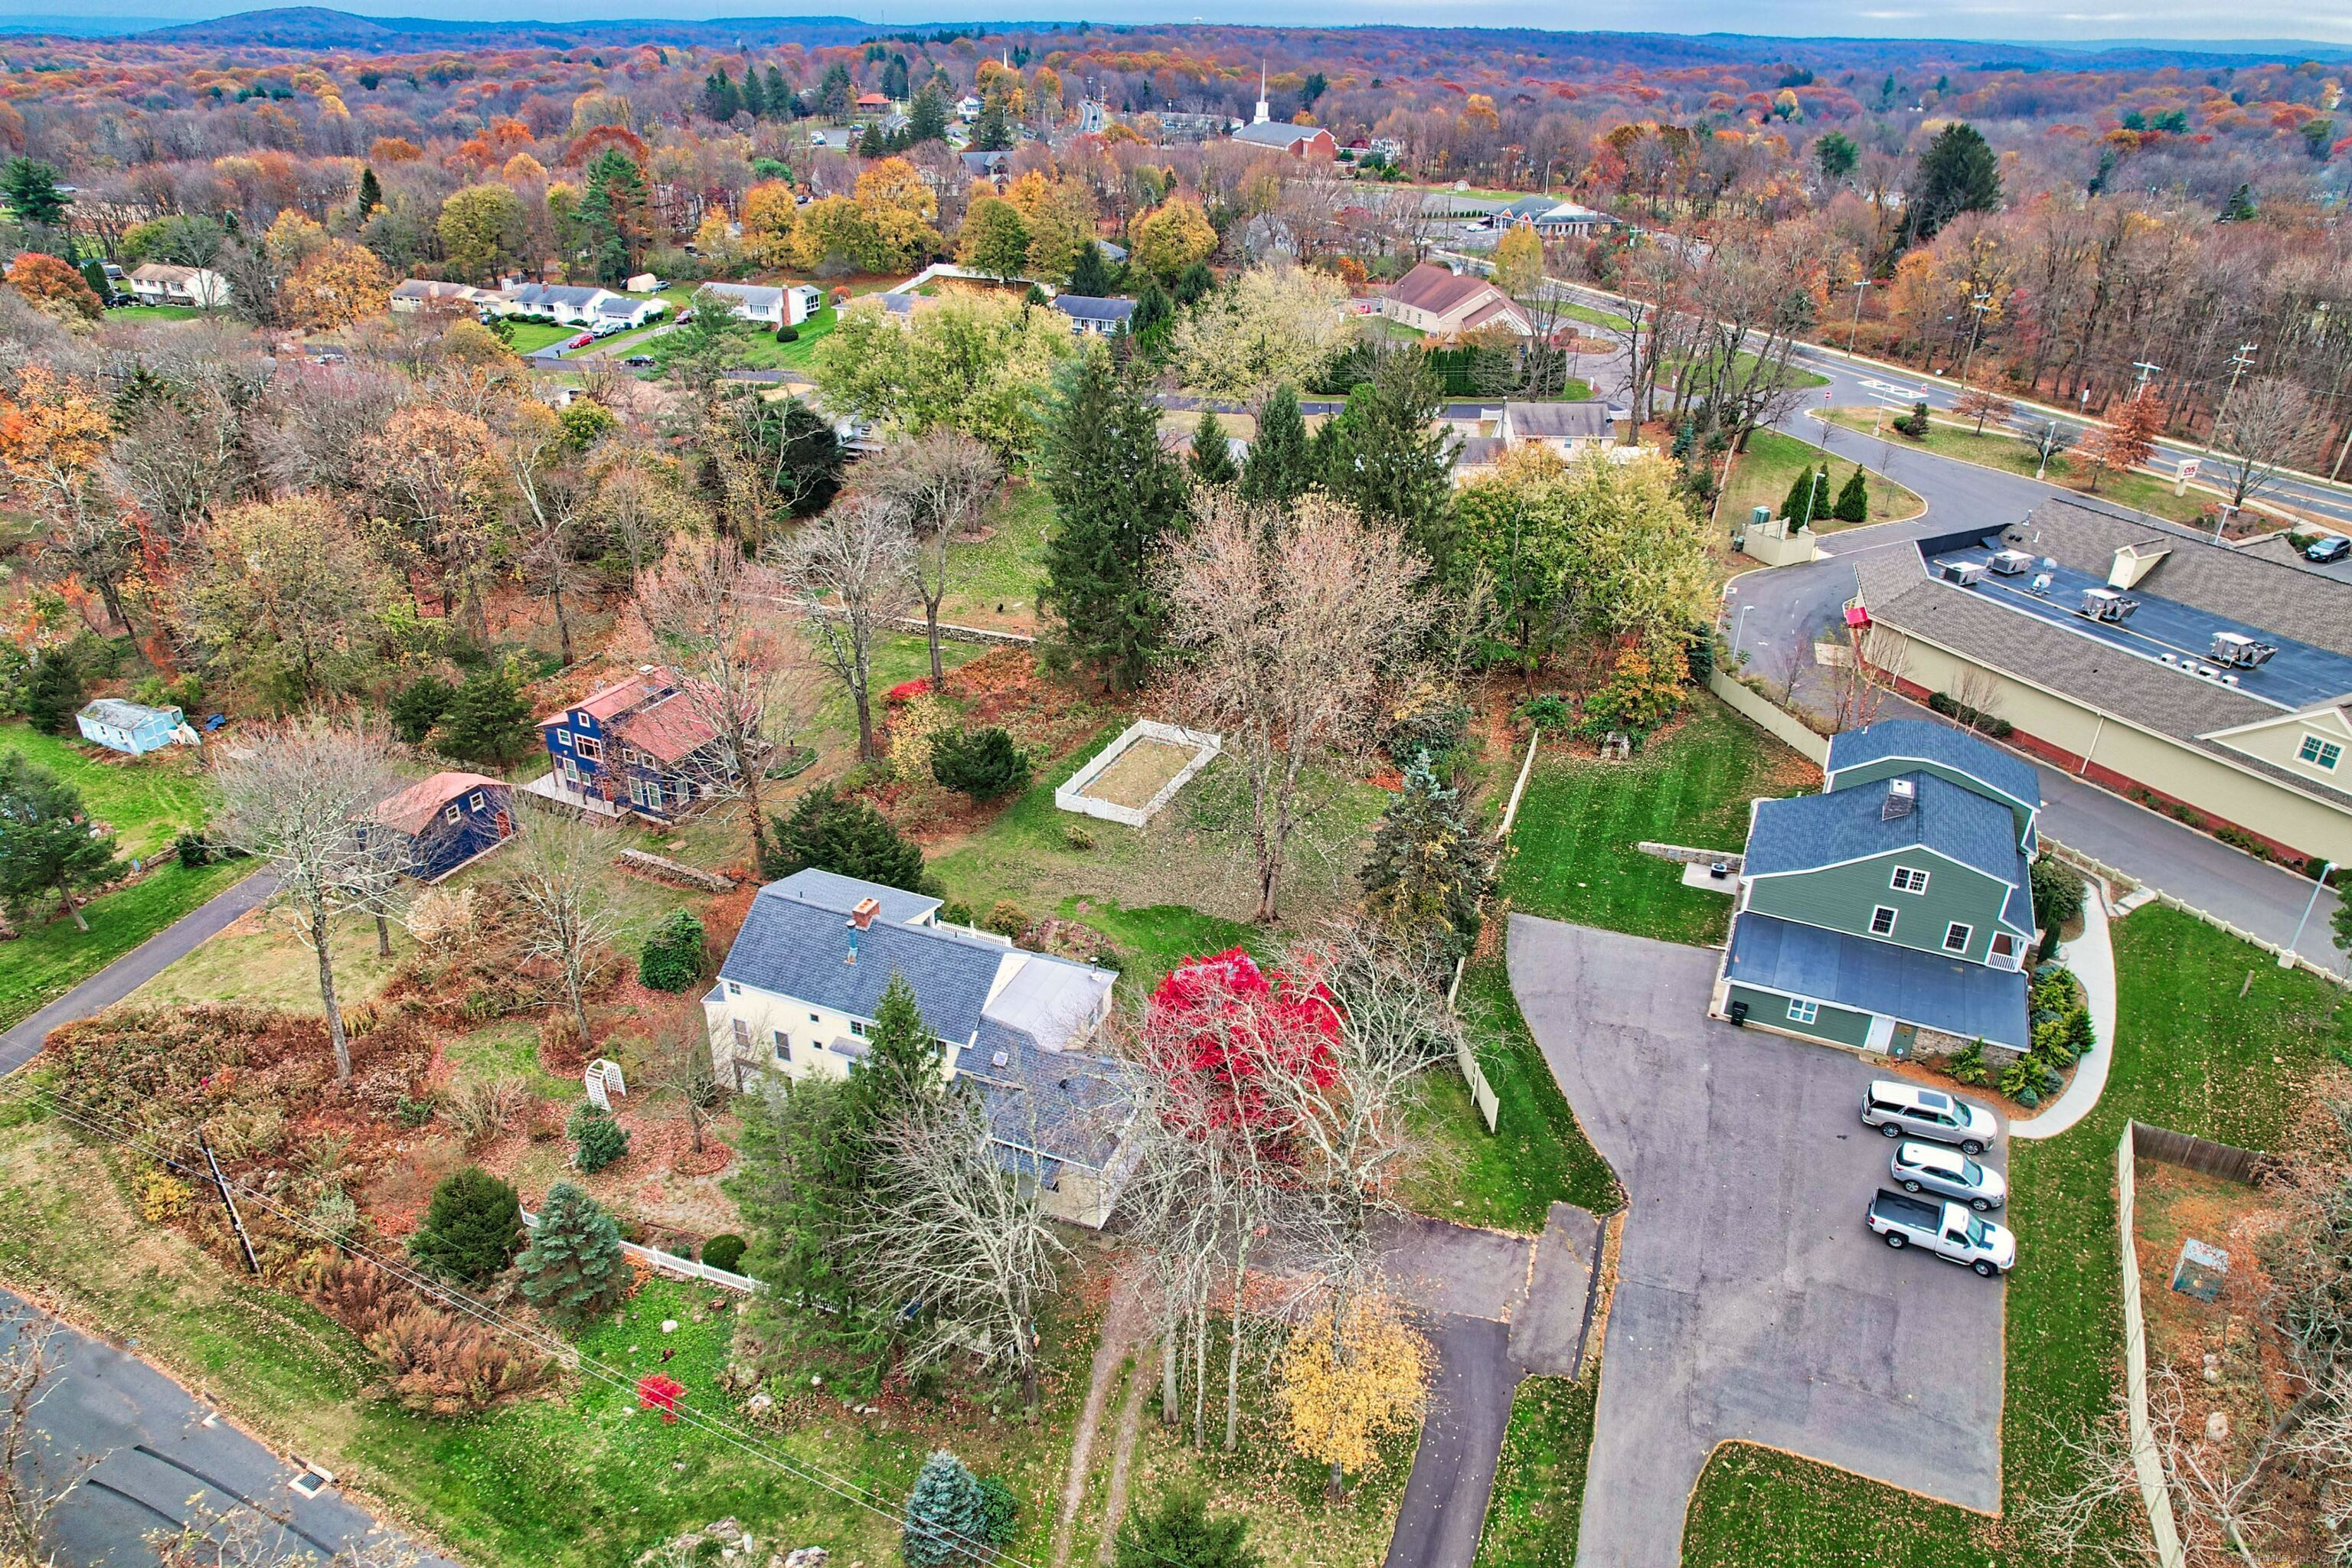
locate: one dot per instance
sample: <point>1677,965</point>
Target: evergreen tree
<point>1279,468</point>
<point>472,1228</point>
<point>844,835</point>
<point>44,841</point>
<point>798,1188</point>
<point>1957,174</point>
<point>801,458</point>
<point>370,195</point>
<point>1808,496</point>
<point>1090,272</point>
<point>1155,313</point>
<point>1391,459</point>
<point>672,957</point>
<point>572,1270</point>
<point>597,1139</point>
<point>900,1074</point>
<point>993,132</point>
<point>1853,500</point>
<point>754,96</point>
<point>1118,496</point>
<point>947,1517</point>
<point>983,764</point>
<point>1429,868</point>
<point>418,706</point>
<point>31,190</point>
<point>1183,1534</point>
<point>834,93</point>
<point>53,694</point>
<point>488,722</point>
<point>1195,282</point>
<point>93,272</point>
<point>720,101</point>
<point>612,215</point>
<point>926,117</point>
<point>780,97</point>
<point>871,145</point>
<point>2241,208</point>
<point>1212,453</point>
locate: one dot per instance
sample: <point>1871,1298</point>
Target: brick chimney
<point>861,919</point>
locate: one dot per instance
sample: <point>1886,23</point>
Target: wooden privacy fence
<point>2147,1467</point>
<point>2196,1153</point>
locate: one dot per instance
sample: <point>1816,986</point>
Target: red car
<point>581,341</point>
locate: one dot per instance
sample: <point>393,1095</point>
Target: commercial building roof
<point>1958,998</point>
<point>1434,288</point>
<point>1807,831</point>
<point>1274,134</point>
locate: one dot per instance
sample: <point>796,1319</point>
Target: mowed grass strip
<point>2191,1054</point>
<point>1573,855</point>
<point>50,960</point>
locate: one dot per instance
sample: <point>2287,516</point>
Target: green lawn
<point>1538,1497</point>
<point>994,582</point>
<point>148,800</point>
<point>2141,492</point>
<point>1572,853</point>
<point>761,349</point>
<point>2192,1055</point>
<point>272,966</point>
<point>530,336</point>
<point>51,959</point>
<point>1593,316</point>
<point>154,313</point>
<point>1762,474</point>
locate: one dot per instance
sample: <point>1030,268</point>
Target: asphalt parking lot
<point>1751,1302</point>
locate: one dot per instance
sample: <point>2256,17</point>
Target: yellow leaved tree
<point>1344,1388</point>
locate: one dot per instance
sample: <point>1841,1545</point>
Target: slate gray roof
<point>1918,740</point>
<point>1274,134</point>
<point>795,949</point>
<point>578,296</point>
<point>1964,999</point>
<point>1586,419</point>
<point>1047,1108</point>
<point>1807,831</point>
<point>831,891</point>
<point>751,296</point>
<point>1895,586</point>
<point>1093,308</point>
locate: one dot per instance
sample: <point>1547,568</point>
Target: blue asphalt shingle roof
<point>1047,1108</point>
<point>796,948</point>
<point>832,891</point>
<point>1964,999</point>
<point>1808,831</point>
<point>1922,740</point>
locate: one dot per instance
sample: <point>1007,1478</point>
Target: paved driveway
<point>1751,1302</point>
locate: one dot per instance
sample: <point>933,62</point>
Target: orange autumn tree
<point>55,287</point>
<point>53,435</point>
<point>336,285</point>
<point>2127,438</point>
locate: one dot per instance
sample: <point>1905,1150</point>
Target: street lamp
<point>2286,959</point>
<point>1854,331</point>
<point>1739,628</point>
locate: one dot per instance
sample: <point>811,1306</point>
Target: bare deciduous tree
<point>720,623</point>
<point>851,560</point>
<point>1294,626</point>
<point>535,451</point>
<point>677,1063</point>
<point>2268,427</point>
<point>563,882</point>
<point>297,796</point>
<point>970,1242</point>
<point>942,479</point>
<point>32,1481</point>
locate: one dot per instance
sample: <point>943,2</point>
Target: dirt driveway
<point>1751,1302</point>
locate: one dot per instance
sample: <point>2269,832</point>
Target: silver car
<point>1929,1167</point>
<point>1899,1109</point>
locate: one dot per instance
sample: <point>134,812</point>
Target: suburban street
<point>1751,1304</point>
<point>163,1458</point>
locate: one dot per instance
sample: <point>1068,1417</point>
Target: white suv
<point>1896,1108</point>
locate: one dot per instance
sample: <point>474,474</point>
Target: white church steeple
<point>1260,95</point>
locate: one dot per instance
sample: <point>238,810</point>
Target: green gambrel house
<point>1892,911</point>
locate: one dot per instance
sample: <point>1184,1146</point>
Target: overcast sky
<point>2328,21</point>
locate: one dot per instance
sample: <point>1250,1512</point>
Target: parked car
<point>1948,1230</point>
<point>686,315</point>
<point>1928,1167</point>
<point>581,341</point>
<point>1896,1108</point>
<point>2335,547</point>
<point>638,361</point>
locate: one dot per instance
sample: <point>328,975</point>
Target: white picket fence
<point>671,1263</point>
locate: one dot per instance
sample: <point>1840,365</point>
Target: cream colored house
<point>806,976</point>
<point>2194,678</point>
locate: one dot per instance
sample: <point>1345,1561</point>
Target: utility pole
<point>2238,363</point>
<point>2286,959</point>
<point>236,1220</point>
<point>1854,331</point>
<point>2049,439</point>
<point>1980,304</point>
<point>2146,370</point>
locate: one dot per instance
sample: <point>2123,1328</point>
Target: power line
<point>110,1128</point>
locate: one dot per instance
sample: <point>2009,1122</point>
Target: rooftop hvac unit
<point>1967,573</point>
<point>2241,652</point>
<point>2106,604</point>
<point>2042,582</point>
<point>2009,563</point>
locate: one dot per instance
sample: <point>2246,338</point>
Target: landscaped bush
<point>2057,891</point>
<point>1427,719</point>
<point>1544,711</point>
<point>1967,1065</point>
<point>472,1229</point>
<point>983,764</point>
<point>918,729</point>
<point>601,1140</point>
<point>724,1251</point>
<point>1974,717</point>
<point>1005,918</point>
<point>445,1365</point>
<point>1641,694</point>
<point>192,849</point>
<point>672,958</point>
<point>482,1113</point>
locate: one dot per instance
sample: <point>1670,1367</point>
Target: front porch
<point>556,788</point>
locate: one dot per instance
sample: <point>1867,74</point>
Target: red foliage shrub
<point>1218,1026</point>
<point>656,1392</point>
<point>907,690</point>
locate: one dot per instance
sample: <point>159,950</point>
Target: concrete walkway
<point>2091,957</point>
<point>135,968</point>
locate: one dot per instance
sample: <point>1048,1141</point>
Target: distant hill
<point>315,28</point>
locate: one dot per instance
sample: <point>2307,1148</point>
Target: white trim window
<point>563,739</point>
<point>450,814</point>
<point>1803,1011</point>
<point>474,800</point>
<point>2319,752</point>
<point>1882,921</point>
<point>1958,935</point>
<point>783,1045</point>
<point>1909,879</point>
<point>583,746</point>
